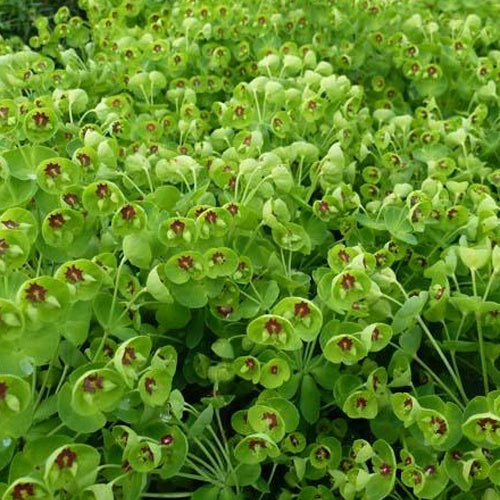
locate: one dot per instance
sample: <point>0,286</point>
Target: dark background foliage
<point>17,16</point>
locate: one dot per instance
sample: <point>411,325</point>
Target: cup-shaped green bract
<point>256,448</point>
<point>102,198</point>
<point>174,447</point>
<point>377,336</point>
<point>326,453</point>
<point>381,482</point>
<point>185,266</point>
<point>273,330</point>
<point>305,317</point>
<point>15,396</point>
<point>295,442</point>
<point>350,286</point>
<point>43,299</point>
<point>345,348</point>
<point>405,407</point>
<point>177,231</point>
<point>55,175</point>
<point>61,227</point>
<point>20,219</point>
<point>129,219</point>
<point>83,278</point>
<point>165,358</point>
<point>361,404</point>
<point>286,409</point>
<point>14,249</point>
<point>40,124</point>
<point>213,223</point>
<point>131,356</point>
<point>240,423</point>
<point>427,481</point>
<point>154,387</point>
<point>11,320</point>
<point>267,420</point>
<point>8,116</point>
<point>26,487</point>
<point>220,262</point>
<point>244,271</point>
<point>156,285</point>
<point>341,256</point>
<point>72,467</point>
<point>98,390</point>
<point>361,451</point>
<point>274,373</point>
<point>248,368</point>
<point>143,456</point>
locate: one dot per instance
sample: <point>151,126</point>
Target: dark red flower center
<point>273,326</point>
<point>239,111</point>
<point>167,439</point>
<point>345,343</point>
<point>211,217</point>
<point>3,391</point>
<point>177,226</point>
<point>10,224</point>
<point>84,159</point>
<point>361,402</point>
<point>150,385</point>
<point>36,293</point>
<point>3,246</point>
<point>22,491</point>
<point>102,191</point>
<point>186,262</point>
<point>52,170</point>
<point>56,221</point>
<point>348,281</point>
<point>301,309</point>
<point>73,274</point>
<point>218,258</point>
<point>128,212</point>
<point>271,419</point>
<point>128,356</point>
<point>224,311</point>
<point>40,119</point>
<point>66,458</point>
<point>92,383</point>
<point>385,469</point>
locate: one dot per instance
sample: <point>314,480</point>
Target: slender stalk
<point>480,338</point>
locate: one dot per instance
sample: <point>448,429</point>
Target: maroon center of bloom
<point>271,419</point>
<point>177,226</point>
<point>312,105</point>
<point>84,159</point>
<point>147,454</point>
<point>408,403</point>
<point>375,334</point>
<point>102,191</point>
<point>3,246</point>
<point>254,444</point>
<point>250,363</point>
<point>52,170</point>
<point>211,217</point>
<point>277,123</point>
<point>430,470</point>
<point>3,391</point>
<point>22,491</point>
<point>73,274</point>
<point>488,424</point>
<point>439,425</point>
<point>301,309</point>
<point>149,385</point>
<point>361,402</point>
<point>343,255</point>
<point>345,343</point>
<point>218,258</point>
<point>239,111</point>
<point>71,199</point>
<point>322,454</point>
<point>167,439</point>
<point>233,209</point>
<point>348,281</point>
<point>10,224</point>
<point>224,311</point>
<point>324,206</point>
<point>385,469</point>
<point>4,112</point>
<point>128,356</point>
<point>56,221</point>
<point>274,370</point>
<point>92,382</point>
<point>36,293</point>
<point>126,466</point>
<point>456,455</point>
<point>65,459</point>
<point>186,262</point>
<point>40,119</point>
<point>273,326</point>
<point>127,212</point>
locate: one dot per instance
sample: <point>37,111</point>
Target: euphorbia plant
<point>251,250</point>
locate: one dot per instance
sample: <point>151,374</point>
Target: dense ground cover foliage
<point>250,249</point>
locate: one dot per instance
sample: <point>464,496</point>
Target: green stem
<point>177,494</point>
<point>480,337</point>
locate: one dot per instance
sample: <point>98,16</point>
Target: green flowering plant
<point>251,249</point>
